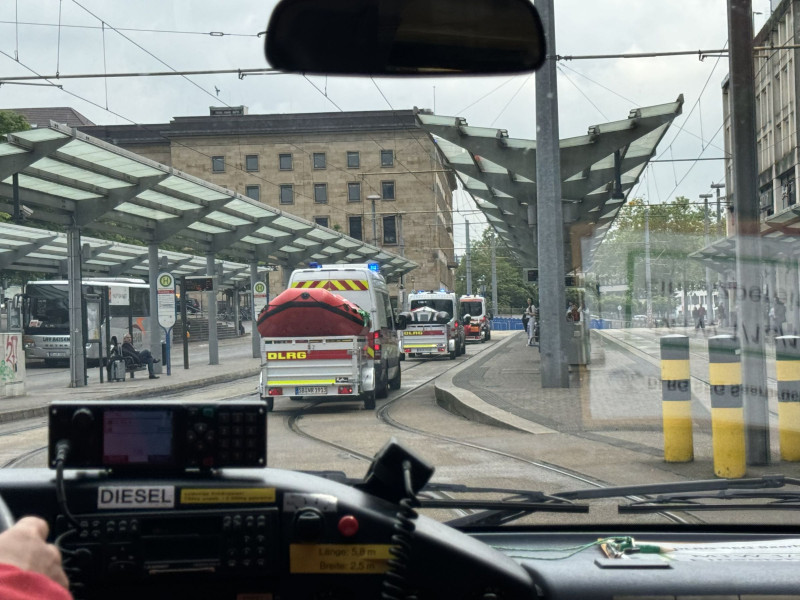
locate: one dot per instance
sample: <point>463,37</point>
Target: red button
<point>348,525</point>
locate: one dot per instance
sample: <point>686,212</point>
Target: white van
<point>479,327</point>
<point>443,302</point>
<point>365,286</point>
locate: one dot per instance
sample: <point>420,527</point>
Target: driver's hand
<point>24,545</point>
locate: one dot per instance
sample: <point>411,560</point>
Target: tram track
<point>383,413</point>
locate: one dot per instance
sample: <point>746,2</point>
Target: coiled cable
<point>396,585</point>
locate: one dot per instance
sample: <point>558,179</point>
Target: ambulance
<point>479,328</point>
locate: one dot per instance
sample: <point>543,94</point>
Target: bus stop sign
<point>166,300</point>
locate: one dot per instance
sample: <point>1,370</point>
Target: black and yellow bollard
<point>676,399</point>
<point>727,409</point>
<point>787,369</point>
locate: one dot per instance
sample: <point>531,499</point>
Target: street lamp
<point>374,197</point>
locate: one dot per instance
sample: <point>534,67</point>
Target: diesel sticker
<point>136,496</point>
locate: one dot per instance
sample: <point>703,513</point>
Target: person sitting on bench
<point>143,358</point>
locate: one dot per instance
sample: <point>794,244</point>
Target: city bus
<point>45,315</point>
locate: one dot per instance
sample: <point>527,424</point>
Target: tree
<point>511,291</point>
<point>11,122</point>
<point>676,231</point>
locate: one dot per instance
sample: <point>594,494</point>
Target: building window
<point>217,164</point>
<point>353,160</point>
<point>387,158</point>
<point>319,160</point>
<point>322,221</point>
<point>355,228</point>
<point>390,230</point>
<point>285,162</point>
<point>253,191</point>
<point>251,162</point>
<point>321,193</point>
<point>387,190</point>
<point>354,191</point>
<point>787,190</point>
<point>287,193</point>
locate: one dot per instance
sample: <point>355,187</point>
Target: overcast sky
<point>590,91</point>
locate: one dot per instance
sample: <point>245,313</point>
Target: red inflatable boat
<point>314,311</point>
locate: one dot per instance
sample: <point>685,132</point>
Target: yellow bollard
<point>676,399</point>
<point>787,368</point>
<point>727,410</point>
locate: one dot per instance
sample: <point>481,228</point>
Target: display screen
<point>137,437</point>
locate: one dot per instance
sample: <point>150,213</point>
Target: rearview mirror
<point>396,37</point>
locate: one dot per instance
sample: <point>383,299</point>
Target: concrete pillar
<point>77,350</point>
<point>154,329</point>
<point>211,301</point>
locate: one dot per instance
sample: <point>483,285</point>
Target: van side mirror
<point>489,316</point>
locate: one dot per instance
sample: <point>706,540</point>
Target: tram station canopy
<point>68,179</point>
<point>598,171</point>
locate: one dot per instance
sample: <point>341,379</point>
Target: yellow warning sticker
<point>228,496</point>
<point>355,559</point>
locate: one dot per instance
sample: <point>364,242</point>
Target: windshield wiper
<point>682,492</point>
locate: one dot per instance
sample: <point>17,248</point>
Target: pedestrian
<point>142,357</point>
<point>530,317</point>
<point>700,315</point>
<point>780,316</point>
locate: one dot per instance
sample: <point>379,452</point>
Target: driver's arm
<point>30,568</point>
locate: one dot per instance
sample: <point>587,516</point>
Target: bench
<point>115,373</point>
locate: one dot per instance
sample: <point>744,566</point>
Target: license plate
<point>315,390</point>
<point>56,354</point>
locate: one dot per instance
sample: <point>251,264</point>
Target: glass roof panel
<point>206,228</point>
<point>105,158</point>
<point>168,201</point>
<point>275,233</point>
<point>292,224</point>
<point>79,174</point>
<point>9,149</point>
<point>41,134</point>
<point>54,189</point>
<point>255,240</point>
<point>190,188</point>
<point>251,209</point>
<point>437,120</point>
<point>227,218</point>
<point>455,154</point>
<point>322,235</point>
<point>143,211</point>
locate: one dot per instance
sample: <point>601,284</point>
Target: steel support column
<point>211,301</point>
<point>154,329</point>
<point>77,350</point>
<point>550,220</point>
<point>255,338</point>
<point>748,240</point>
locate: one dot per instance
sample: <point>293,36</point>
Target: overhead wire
<point>135,29</point>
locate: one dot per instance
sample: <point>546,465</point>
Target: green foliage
<point>11,122</point>
<point>511,291</point>
<point>676,230</point>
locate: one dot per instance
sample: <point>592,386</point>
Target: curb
<point>464,403</point>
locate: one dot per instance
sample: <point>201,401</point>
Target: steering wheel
<point>6,518</point>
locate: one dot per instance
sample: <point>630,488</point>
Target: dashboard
<point>172,500</point>
<point>268,534</point>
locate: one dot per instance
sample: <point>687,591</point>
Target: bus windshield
<point>47,308</point>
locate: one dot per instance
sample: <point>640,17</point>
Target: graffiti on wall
<point>8,366</point>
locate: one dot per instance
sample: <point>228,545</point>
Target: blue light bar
<point>375,267</point>
<point>314,265</point>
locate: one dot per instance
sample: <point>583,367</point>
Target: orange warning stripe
<point>334,285</point>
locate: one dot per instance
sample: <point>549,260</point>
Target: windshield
<point>437,305</point>
<point>47,308</point>
<point>443,174</point>
<point>471,308</point>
